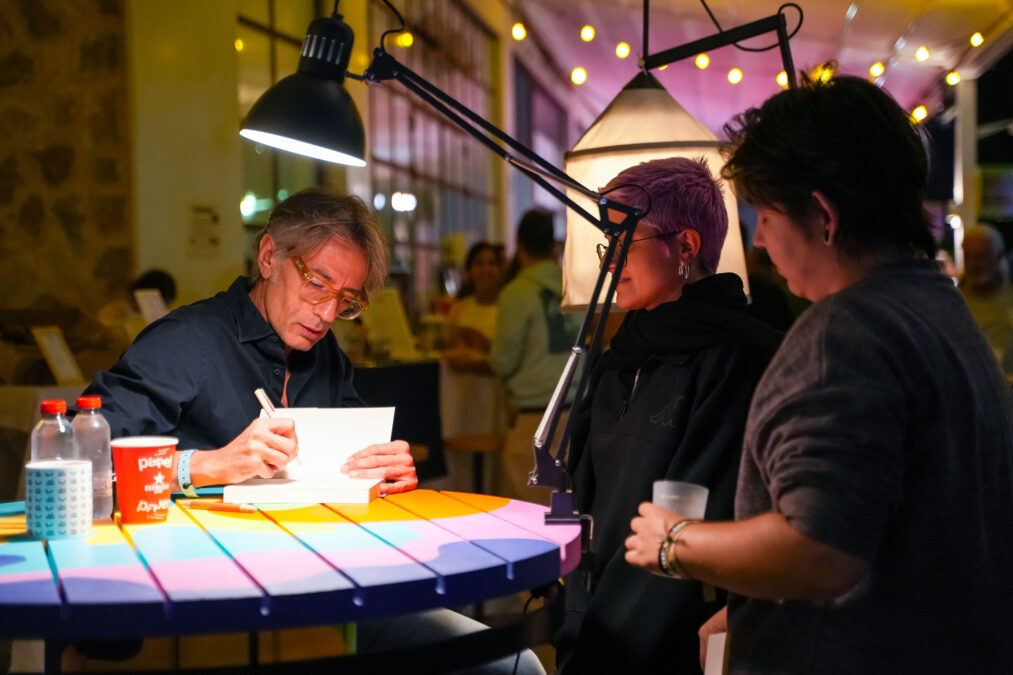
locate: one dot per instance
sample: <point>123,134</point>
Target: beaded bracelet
<point>667,559</point>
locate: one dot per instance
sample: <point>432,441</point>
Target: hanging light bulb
<point>734,75</point>
<point>702,61</point>
<point>519,32</point>
<point>578,75</point>
<point>922,54</point>
<point>587,33</point>
<point>920,113</point>
<point>622,50</point>
<point>782,79</point>
<point>239,45</point>
<point>405,39</point>
<point>952,78</point>
<point>977,40</point>
<point>877,69</point>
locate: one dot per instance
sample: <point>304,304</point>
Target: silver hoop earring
<point>683,271</point>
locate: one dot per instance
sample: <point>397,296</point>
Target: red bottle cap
<point>54,406</point>
<point>89,402</point>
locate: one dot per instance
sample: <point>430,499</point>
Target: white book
<point>290,491</point>
<point>327,437</point>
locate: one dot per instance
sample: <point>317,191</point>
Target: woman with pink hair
<point>668,399</point>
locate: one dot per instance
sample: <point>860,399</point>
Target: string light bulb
<point>782,79</point>
<point>587,33</point>
<point>822,73</point>
<point>622,50</point>
<point>239,45</point>
<point>518,31</point>
<point>578,75</point>
<point>920,113</point>
<point>877,69</point>
<point>734,75</point>
<point>405,39</point>
<point>977,40</point>
<point>702,61</point>
<point>952,78</point>
<point>922,54</point>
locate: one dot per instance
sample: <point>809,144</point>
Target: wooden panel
<point>204,585</point>
<point>100,571</point>
<point>531,560</point>
<point>531,517</point>
<point>301,587</point>
<point>382,574</point>
<point>465,572</point>
<point>29,600</point>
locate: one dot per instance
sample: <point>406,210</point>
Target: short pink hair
<point>678,193</point>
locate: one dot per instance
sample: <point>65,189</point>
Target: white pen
<point>268,407</point>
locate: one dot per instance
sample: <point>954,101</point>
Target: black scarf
<point>710,311</point>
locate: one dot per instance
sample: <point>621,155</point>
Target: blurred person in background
<point>987,289</point>
<point>531,347</point>
<point>471,323</point>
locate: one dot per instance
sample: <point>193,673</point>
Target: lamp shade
<point>643,123</point>
<point>309,112</point>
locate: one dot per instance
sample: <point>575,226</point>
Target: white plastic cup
<point>58,498</point>
<point>689,500</point>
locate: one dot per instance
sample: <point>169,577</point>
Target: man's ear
<point>687,244</point>
<point>265,256</point>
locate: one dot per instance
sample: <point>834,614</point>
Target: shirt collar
<point>251,323</point>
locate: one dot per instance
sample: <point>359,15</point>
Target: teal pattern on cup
<point>58,498</point>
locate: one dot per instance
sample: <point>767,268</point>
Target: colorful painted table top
<point>208,571</point>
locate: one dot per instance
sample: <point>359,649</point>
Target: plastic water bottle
<point>53,437</point>
<point>91,435</point>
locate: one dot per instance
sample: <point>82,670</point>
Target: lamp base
<point>563,511</point>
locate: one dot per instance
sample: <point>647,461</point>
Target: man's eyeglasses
<point>315,292</point>
<point>602,248</point>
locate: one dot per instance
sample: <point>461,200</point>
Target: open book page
<point>327,437</point>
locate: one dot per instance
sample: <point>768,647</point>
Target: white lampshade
<point>643,123</point>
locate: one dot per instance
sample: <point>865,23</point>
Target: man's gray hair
<point>307,220</point>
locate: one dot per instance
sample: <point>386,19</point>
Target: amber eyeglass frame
<point>315,292</point>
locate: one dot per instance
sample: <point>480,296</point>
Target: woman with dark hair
<point>472,319</point>
<point>874,523</point>
<point>668,400</point>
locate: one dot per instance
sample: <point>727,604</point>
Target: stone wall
<point>65,235</point>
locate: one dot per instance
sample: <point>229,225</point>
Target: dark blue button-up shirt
<point>192,373</point>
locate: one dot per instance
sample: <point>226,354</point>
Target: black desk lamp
<point>310,113</point>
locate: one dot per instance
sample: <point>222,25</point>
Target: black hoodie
<point>668,400</point>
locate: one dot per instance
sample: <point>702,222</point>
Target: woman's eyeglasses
<point>316,292</point>
<point>602,248</point>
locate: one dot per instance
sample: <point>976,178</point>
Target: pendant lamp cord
<point>647,26</point>
<point>400,19</point>
<point>780,10</point>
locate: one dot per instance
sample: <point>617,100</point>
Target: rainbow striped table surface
<point>279,567</point>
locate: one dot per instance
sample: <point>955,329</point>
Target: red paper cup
<point>143,477</point>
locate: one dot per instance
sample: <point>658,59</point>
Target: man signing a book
<point>192,373</point>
